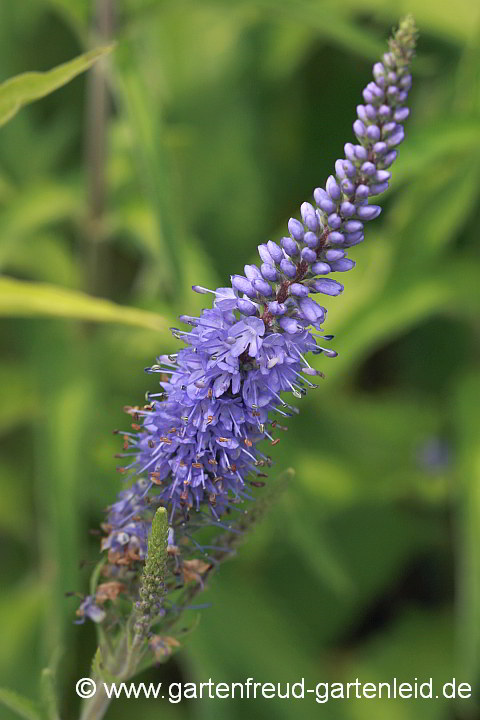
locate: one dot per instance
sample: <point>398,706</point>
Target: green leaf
<point>27,87</point>
<point>330,23</point>
<point>20,705</point>
<point>30,299</point>
<point>49,694</point>
<point>99,668</point>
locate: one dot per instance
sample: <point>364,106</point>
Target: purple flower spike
<point>194,445</point>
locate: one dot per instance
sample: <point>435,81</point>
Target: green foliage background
<point>223,115</point>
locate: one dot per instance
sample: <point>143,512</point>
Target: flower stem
<point>95,707</point>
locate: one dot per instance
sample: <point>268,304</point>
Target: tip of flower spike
<point>403,42</point>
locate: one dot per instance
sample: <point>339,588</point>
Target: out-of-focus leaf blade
<point>27,87</point>
<point>329,22</point>
<point>20,705</point>
<point>29,299</point>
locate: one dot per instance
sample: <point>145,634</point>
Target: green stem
<point>121,667</point>
<point>96,707</point>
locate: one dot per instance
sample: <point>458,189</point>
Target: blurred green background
<point>165,166</point>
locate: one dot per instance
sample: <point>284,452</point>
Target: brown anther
<point>148,407</point>
<point>212,461</point>
<point>233,468</point>
<point>255,414</point>
<point>257,483</point>
<point>248,442</point>
<point>125,442</point>
<point>136,426</point>
<point>151,444</point>
<point>274,423</point>
<point>130,410</point>
<point>121,470</point>
<point>210,393</point>
<point>155,478</point>
<point>182,464</point>
<point>209,419</point>
<point>172,430</point>
<point>197,465</point>
<point>166,440</point>
<point>222,439</point>
<point>212,499</point>
<point>275,442</point>
<point>262,475</point>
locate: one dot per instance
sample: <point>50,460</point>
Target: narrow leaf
<point>29,299</point>
<point>49,694</point>
<point>20,705</point>
<point>27,87</point>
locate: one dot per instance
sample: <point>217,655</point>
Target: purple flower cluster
<point>198,441</point>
